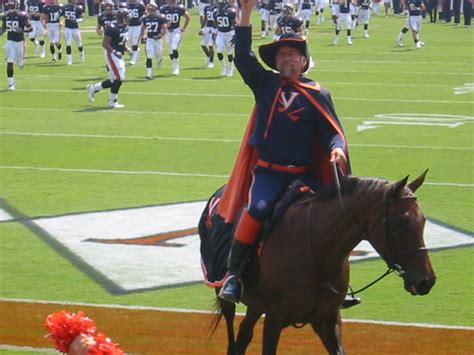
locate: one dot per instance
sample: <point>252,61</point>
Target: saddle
<point>216,235</point>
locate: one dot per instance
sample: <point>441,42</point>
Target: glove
<point>117,54</point>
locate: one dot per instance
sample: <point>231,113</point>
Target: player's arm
<point>164,29</point>
<point>4,26</point>
<point>107,46</point>
<point>142,32</point>
<point>187,18</point>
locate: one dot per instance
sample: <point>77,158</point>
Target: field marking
<point>117,172</point>
<point>28,348</point>
<point>180,94</point>
<point>197,311</point>
<point>212,140</point>
<point>149,172</point>
<point>131,112</point>
<point>330,61</point>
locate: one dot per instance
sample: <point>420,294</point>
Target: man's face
<point>290,62</point>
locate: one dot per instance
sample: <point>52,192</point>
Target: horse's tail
<point>216,319</point>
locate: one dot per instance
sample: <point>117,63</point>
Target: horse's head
<point>397,235</point>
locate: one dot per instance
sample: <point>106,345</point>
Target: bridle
<point>394,253</point>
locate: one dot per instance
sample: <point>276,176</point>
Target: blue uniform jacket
<point>293,123</point>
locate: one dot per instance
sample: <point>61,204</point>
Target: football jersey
<point>35,7</point>
<point>210,12</point>
<point>14,23</point>
<point>136,13</point>
<point>289,24</point>
<point>344,6</point>
<point>153,25</point>
<point>72,13</point>
<point>364,4</point>
<point>105,19</point>
<point>118,34</point>
<point>173,15</point>
<point>275,7</point>
<point>225,18</point>
<point>414,7</point>
<point>306,5</point>
<point>53,12</point>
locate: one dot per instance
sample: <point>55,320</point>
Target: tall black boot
<point>232,289</point>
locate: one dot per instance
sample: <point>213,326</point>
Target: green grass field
<point>61,154</point>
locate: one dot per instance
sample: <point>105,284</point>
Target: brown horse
<point>303,270</point>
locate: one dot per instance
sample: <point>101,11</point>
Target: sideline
<point>196,311</point>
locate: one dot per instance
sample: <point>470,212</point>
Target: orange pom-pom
<point>104,346</point>
<point>64,327</point>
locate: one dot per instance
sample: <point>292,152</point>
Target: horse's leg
<point>329,330</point>
<point>246,330</point>
<point>228,310</point>
<point>272,327</point>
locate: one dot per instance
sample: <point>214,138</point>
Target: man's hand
<point>339,157</point>
<point>248,3</point>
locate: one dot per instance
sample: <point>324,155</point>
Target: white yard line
<point>166,173</point>
<point>213,140</point>
<point>183,310</point>
<point>182,94</point>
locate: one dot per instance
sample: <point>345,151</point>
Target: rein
<point>392,266</point>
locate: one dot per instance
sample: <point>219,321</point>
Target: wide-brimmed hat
<point>268,51</point>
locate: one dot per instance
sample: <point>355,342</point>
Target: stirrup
<point>350,301</point>
<point>231,290</point>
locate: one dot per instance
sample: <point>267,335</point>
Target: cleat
<point>399,42</point>
<point>210,65</point>
<point>149,77</point>
<point>159,62</point>
<point>418,45</point>
<point>349,41</point>
<point>366,35</point>
<point>230,71</point>
<point>224,70</point>
<point>334,42</point>
<point>114,104</point>
<point>43,54</point>
<point>11,87</point>
<point>53,60</point>
<point>91,92</point>
<point>175,70</point>
<point>69,62</point>
<point>82,56</point>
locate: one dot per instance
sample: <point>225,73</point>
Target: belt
<point>283,168</point>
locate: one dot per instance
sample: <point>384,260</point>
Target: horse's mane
<point>351,185</point>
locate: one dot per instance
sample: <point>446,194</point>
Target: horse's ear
<point>396,188</point>
<point>415,184</point>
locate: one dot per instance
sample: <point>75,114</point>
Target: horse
<point>301,274</point>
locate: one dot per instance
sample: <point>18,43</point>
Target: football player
<point>344,19</point>
<point>15,23</point>
<point>364,15</point>
<point>415,8</point>
<point>208,34</point>
<point>225,18</point>
<point>319,11</point>
<point>105,18</point>
<point>173,13</point>
<point>35,7</point>
<point>114,44</point>
<point>202,4</point>
<point>306,13</point>
<point>287,23</point>
<point>153,29</point>
<point>73,15</point>
<point>275,6</point>
<point>52,14</point>
<point>136,10</point>
<point>264,16</point>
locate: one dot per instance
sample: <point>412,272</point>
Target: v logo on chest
<point>286,102</point>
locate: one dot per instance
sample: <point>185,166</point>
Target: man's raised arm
<point>246,11</point>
